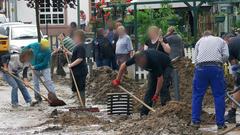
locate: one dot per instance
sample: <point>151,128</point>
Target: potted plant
<point>220,17</point>
<point>173,20</point>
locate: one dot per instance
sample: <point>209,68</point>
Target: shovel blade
<point>54,100</point>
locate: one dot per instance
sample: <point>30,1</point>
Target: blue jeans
<point>16,84</point>
<point>47,80</point>
<point>113,62</point>
<point>203,77</point>
<point>103,62</point>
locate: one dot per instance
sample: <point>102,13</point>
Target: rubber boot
<point>231,116</point>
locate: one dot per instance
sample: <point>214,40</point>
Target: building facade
<point>52,20</point>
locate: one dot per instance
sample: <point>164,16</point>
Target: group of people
<point>36,57</point>
<point>211,52</point>
<point>113,48</point>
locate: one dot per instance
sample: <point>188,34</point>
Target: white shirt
<point>211,49</point>
<point>15,65</point>
<point>124,45</point>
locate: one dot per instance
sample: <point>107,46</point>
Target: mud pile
<point>99,84</point>
<point>174,118</point>
<point>74,119</point>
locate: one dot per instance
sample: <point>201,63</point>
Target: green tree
<point>150,17</point>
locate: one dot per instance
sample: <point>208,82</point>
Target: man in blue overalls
<point>210,54</point>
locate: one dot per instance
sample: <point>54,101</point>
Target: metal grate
<point>119,104</point>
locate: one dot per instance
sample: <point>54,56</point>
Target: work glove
<point>116,82</point>
<point>155,98</point>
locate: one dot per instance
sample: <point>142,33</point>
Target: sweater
<point>41,59</point>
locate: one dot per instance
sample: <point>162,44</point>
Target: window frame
<point>51,15</point>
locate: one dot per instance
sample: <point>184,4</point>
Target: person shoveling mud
<point>15,63</point>
<point>159,66</point>
<point>78,69</point>
<point>40,63</point>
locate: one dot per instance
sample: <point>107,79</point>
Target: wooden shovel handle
<point>41,80</point>
<point>139,100</point>
<point>74,80</point>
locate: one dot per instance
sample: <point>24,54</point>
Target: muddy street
<point>172,119</point>
<point>38,119</point>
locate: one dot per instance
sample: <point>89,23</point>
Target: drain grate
<point>119,104</point>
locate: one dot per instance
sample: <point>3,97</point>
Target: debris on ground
<point>99,84</point>
<point>174,118</point>
<point>74,119</point>
<point>2,83</point>
<point>62,80</point>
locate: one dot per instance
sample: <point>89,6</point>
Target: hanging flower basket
<point>219,19</point>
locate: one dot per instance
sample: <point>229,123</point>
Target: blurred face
<point>77,39</point>
<point>71,29</point>
<point>152,34</point>
<point>141,61</point>
<point>121,32</point>
<point>25,58</point>
<point>117,25</point>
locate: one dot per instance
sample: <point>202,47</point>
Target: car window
<point>24,32</point>
<point>3,31</point>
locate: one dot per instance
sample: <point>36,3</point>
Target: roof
<point>156,6</point>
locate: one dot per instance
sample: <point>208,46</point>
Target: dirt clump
<point>174,118</point>
<point>99,84</point>
<point>74,119</point>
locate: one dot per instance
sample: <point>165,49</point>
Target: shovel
<point>31,88</point>
<point>82,108</point>
<point>75,83</point>
<point>51,96</point>
<point>230,129</point>
<point>139,100</point>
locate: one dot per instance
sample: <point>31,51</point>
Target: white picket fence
<point>189,53</point>
<point>142,74</point>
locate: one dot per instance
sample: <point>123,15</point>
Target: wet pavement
<point>33,120</point>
